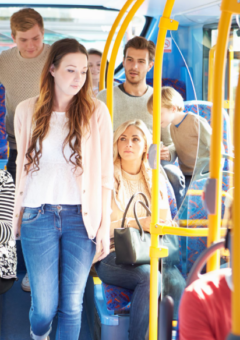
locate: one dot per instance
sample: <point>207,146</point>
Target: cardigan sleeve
<point>106,140</point>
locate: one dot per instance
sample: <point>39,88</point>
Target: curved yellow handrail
<point>217,128</point>
<point>115,49</point>
<point>210,72</point>
<point>165,24</point>
<point>236,221</point>
<point>108,43</point>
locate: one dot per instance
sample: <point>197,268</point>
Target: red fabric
<point>205,309</point>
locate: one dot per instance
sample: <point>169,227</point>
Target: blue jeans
<point>177,180</point>
<point>58,256</point>
<point>136,278</point>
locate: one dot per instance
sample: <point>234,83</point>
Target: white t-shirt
<point>55,182</point>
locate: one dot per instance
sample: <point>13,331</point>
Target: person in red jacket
<point>205,308</point>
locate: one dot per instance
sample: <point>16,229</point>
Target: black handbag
<point>132,245</point>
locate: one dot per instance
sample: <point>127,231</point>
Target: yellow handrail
<point>188,232</point>
<point>108,43</point>
<point>210,72</point>
<point>236,221</point>
<point>164,24</point>
<point>217,128</point>
<point>115,49</point>
<point>188,223</point>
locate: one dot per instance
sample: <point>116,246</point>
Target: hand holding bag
<point>132,245</point>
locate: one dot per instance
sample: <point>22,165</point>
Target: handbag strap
<point>142,234</point>
<point>129,203</point>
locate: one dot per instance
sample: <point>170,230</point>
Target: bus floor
<point>15,305</point>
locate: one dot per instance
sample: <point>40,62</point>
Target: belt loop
<point>79,209</point>
<point>42,208</point>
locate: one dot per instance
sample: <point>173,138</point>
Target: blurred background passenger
<point>94,63</point>
<point>132,174</point>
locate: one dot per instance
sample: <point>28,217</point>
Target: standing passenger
<point>20,69</point>
<point>94,63</point>
<point>130,98</point>
<point>64,182</point>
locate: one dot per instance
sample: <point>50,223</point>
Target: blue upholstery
<point>3,135</point>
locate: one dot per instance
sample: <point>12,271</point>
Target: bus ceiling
<point>184,11</point>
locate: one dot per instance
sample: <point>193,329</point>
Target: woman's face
<point>70,75</point>
<point>131,144</point>
<point>94,63</point>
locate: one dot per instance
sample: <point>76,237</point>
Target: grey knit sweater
<point>20,77</point>
<point>126,107</point>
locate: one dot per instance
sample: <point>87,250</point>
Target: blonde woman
<point>63,188</point>
<point>132,174</point>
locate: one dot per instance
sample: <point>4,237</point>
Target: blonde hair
<point>170,98</point>
<point>140,125</point>
<point>24,20</point>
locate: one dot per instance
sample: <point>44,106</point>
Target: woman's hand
<point>103,241</point>
<point>144,221</point>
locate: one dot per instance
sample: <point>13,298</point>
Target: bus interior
<point>187,66</point>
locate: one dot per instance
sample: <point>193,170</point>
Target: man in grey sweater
<point>130,101</point>
<point>20,69</point>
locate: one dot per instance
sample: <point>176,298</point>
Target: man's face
<point>29,43</point>
<point>136,65</point>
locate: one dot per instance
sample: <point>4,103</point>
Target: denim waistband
<point>58,207</point>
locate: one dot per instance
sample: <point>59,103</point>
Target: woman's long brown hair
<point>79,111</point>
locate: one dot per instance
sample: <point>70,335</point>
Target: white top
<point>55,182</point>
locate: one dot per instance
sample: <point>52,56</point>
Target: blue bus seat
<point>107,325</point>
<point>196,211</point>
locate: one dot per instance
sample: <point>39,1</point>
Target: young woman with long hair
<point>63,188</point>
<point>132,174</point>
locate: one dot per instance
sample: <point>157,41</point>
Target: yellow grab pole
<point>164,24</point>
<point>115,49</point>
<point>217,128</point>
<point>236,221</point>
<point>230,88</point>
<point>210,72</point>
<point>108,43</point>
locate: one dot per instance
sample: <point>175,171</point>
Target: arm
<point>106,138</point>
<point>169,150</point>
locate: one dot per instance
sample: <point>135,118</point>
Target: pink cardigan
<point>97,151</point>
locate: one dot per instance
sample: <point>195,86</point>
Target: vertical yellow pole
<point>165,24</point>
<point>217,128</point>
<point>236,221</point>
<point>210,72</point>
<point>115,49</point>
<point>108,43</point>
<point>230,61</point>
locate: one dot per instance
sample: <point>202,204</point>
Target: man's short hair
<point>24,20</point>
<point>140,43</point>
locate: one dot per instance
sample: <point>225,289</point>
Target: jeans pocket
<point>30,215</point>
